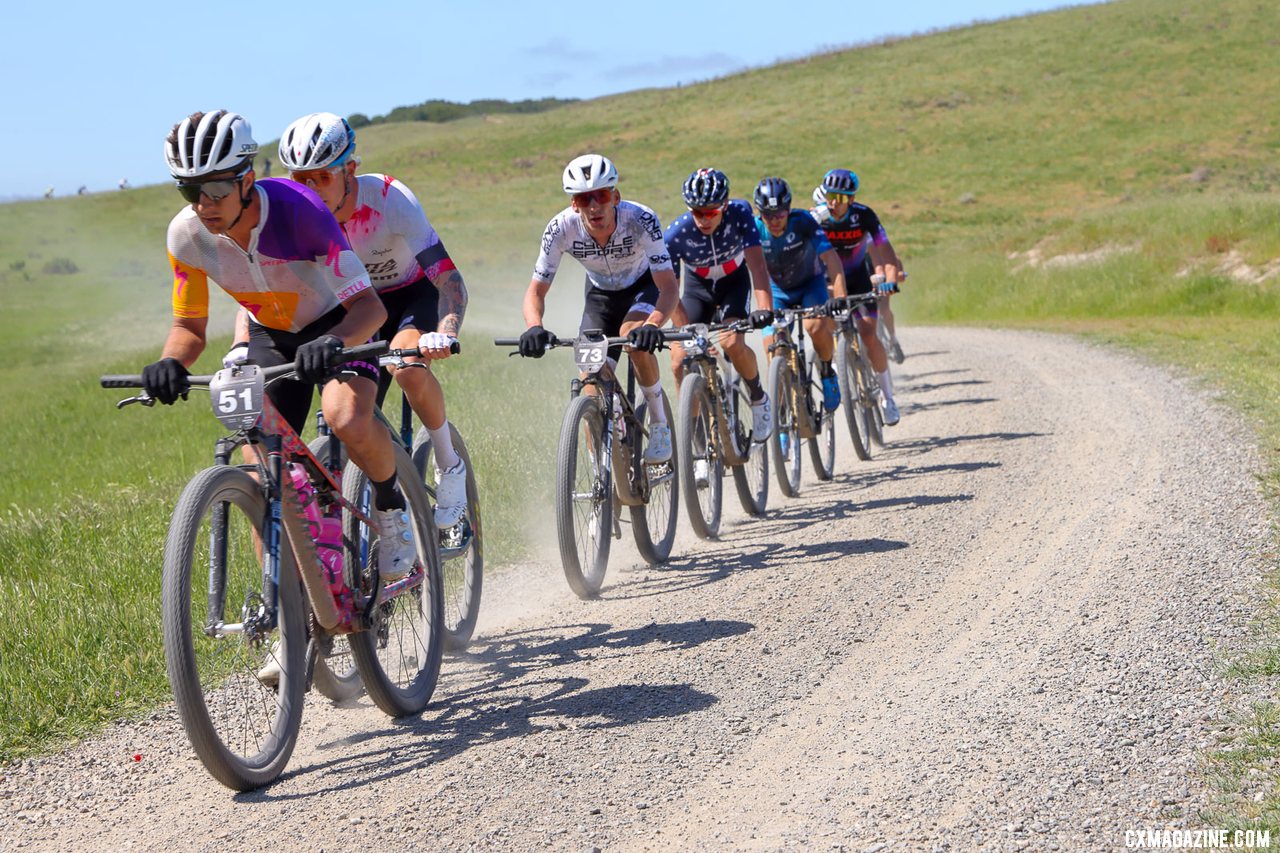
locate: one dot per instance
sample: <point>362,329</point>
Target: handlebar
<point>668,335</point>
<point>134,380</point>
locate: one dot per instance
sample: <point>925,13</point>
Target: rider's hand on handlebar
<point>534,342</point>
<point>646,338</point>
<point>316,358</point>
<point>238,354</point>
<point>166,380</point>
<point>834,304</point>
<point>760,319</point>
<point>436,345</point>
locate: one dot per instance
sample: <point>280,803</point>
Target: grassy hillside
<point>1110,170</point>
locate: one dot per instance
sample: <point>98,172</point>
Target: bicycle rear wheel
<point>785,439</point>
<point>654,523</point>
<point>335,675</point>
<point>399,655</point>
<point>461,547</point>
<point>242,727</point>
<point>584,496</point>
<point>822,447</point>
<point>751,478</point>
<point>701,466</point>
<point>853,394</point>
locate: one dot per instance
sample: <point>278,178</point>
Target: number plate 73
<point>237,396</point>
<point>590,355</point>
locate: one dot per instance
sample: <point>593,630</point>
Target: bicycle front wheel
<point>584,496</point>
<point>751,478</point>
<point>399,655</point>
<point>237,679</point>
<point>701,466</point>
<point>654,523</point>
<point>461,547</point>
<point>853,394</point>
<point>822,447</point>
<point>785,439</point>
<point>871,400</point>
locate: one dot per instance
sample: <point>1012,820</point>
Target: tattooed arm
<point>453,301</point>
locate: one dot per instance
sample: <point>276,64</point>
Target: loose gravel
<point>1005,632</point>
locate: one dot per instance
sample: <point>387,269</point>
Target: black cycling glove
<point>760,319</point>
<point>315,359</point>
<point>534,342</point>
<point>834,304</point>
<point>166,380</point>
<point>646,338</point>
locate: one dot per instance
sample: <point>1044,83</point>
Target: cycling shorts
<point>414,306</point>
<point>269,347</point>
<point>732,294</point>
<point>606,309</point>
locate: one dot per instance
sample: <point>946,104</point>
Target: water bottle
<point>325,530</point>
<point>620,425</point>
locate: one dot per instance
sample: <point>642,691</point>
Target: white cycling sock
<point>653,396</point>
<point>886,384</point>
<point>442,444</point>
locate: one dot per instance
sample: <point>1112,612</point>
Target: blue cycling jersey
<point>793,258</point>
<point>710,257</point>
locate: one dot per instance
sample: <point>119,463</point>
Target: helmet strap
<point>245,201</point>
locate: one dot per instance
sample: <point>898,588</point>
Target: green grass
<point>1143,129</point>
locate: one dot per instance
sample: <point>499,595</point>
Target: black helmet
<point>706,188</point>
<point>772,194</point>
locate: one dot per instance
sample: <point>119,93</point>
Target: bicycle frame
<point>793,352</point>
<point>701,360</point>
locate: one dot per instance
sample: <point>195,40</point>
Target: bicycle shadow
<point>927,444</point>
<point>924,387</point>
<point>916,406</point>
<point>490,699</point>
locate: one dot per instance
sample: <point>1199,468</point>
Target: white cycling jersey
<point>392,236</point>
<point>636,246</point>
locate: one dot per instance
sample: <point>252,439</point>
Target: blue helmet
<point>840,181</point>
<point>772,194</point>
<point>706,188</point>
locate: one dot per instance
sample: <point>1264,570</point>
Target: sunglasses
<point>775,214</point>
<point>601,197</point>
<point>705,212</point>
<point>838,198</point>
<point>212,190</point>
<point>316,178</point>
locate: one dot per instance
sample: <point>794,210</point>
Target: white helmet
<point>316,141</point>
<point>204,143</point>
<point>589,172</point>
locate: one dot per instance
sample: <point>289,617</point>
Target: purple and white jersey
<point>392,235</point>
<point>299,265</point>
<point>635,246</point>
<point>713,256</point>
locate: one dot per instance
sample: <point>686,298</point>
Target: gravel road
<point>1005,632</point>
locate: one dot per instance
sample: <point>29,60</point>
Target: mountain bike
<point>798,413</point>
<point>713,429</point>
<point>252,537</point>
<point>859,384</point>
<point>600,467</point>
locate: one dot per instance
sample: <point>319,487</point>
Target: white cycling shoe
<point>269,675</point>
<point>659,447</point>
<point>761,420</point>
<point>451,495</point>
<point>396,554</point>
<point>701,472</point>
<point>891,413</point>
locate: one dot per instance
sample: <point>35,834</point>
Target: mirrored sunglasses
<point>315,178</point>
<point>212,190</point>
<point>838,198</point>
<point>601,197</point>
<point>705,212</point>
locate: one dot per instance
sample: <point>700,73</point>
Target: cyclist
<point>274,247</point>
<point>796,252</point>
<point>859,239</point>
<point>631,287</point>
<point>420,286</point>
<point>718,241</point>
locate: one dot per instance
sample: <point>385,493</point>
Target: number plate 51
<point>237,396</point>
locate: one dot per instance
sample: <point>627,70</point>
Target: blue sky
<point>94,87</point>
